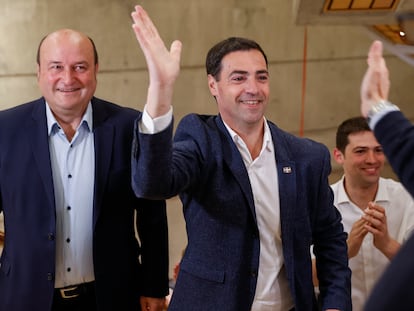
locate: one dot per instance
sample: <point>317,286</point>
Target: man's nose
<point>252,86</point>
<point>67,75</point>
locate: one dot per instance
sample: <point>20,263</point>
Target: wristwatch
<point>381,106</point>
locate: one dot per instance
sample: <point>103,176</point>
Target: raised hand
<point>163,64</point>
<point>375,84</point>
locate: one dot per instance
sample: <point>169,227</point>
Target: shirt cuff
<point>378,116</point>
<point>148,125</point>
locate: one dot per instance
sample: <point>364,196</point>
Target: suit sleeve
<point>162,168</point>
<point>393,290</point>
<point>396,135</point>
<point>151,163</point>
<point>331,249</point>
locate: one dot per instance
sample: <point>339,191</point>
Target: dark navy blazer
<point>27,264</point>
<point>394,290</point>
<point>220,265</point>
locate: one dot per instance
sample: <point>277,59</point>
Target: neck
<point>253,138</point>
<point>359,195</point>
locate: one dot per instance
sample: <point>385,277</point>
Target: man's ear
<point>338,156</point>
<point>212,85</point>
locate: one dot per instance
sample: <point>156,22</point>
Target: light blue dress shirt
<point>73,168</point>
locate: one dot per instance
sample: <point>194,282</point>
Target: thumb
<point>175,50</point>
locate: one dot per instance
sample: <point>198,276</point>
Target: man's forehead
<point>57,49</point>
<point>363,139</point>
<point>241,56</point>
<point>236,62</point>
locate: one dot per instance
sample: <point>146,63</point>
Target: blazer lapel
<point>235,162</point>
<point>39,140</point>
<point>286,170</point>
<point>103,138</point>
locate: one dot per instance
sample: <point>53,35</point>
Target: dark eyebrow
<point>238,72</point>
<point>242,72</point>
<point>82,62</point>
<point>262,72</point>
<point>359,148</point>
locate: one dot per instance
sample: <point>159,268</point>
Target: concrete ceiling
<point>380,17</point>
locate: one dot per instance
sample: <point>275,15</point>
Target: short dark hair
<point>348,127</point>
<point>95,52</point>
<point>221,49</point>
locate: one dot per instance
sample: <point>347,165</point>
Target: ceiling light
<point>406,22</point>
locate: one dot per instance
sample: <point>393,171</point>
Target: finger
<point>142,19</point>
<point>376,62</point>
<point>372,229</point>
<point>143,26</point>
<point>372,207</point>
<point>375,53</point>
<point>372,214</point>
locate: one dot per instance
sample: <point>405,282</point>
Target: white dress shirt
<point>368,265</point>
<point>272,289</point>
<point>73,168</point>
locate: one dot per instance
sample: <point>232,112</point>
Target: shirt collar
<point>53,125</point>
<point>267,137</point>
<point>381,196</point>
<point>342,195</point>
<point>382,193</point>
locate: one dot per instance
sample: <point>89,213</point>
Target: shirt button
<point>69,175</point>
<point>67,240</point>
<point>68,269</point>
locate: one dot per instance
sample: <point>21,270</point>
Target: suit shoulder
<point>20,112</point>
<point>105,111</point>
<point>298,144</point>
<point>21,108</point>
<point>112,107</point>
<point>197,118</point>
<point>197,122</point>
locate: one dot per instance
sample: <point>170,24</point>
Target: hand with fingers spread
<point>163,64</point>
<point>375,85</point>
<point>376,223</point>
<point>356,237</point>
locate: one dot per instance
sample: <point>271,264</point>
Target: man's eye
<point>239,78</point>
<point>80,68</point>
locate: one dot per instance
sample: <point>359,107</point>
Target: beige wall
<point>336,61</point>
